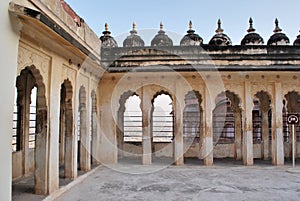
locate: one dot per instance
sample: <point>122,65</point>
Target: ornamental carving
<point>28,57</point>
<point>289,87</point>
<point>262,87</point>
<point>69,73</point>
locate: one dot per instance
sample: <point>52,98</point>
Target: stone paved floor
<point>223,181</point>
<point>23,188</point>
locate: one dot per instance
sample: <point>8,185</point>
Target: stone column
<point>120,132</point>
<point>248,135</point>
<point>202,135</point>
<point>25,126</point>
<point>277,134</point>
<point>238,134</point>
<point>178,102</point>
<point>146,126</point>
<point>208,136</point>
<point>70,139</point>
<point>95,140</point>
<point>265,134</point>
<point>85,157</point>
<point>61,133</point>
<point>41,152</point>
<point>54,130</point>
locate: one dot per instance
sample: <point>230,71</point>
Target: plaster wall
<point>8,64</point>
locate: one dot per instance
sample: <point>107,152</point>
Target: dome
<point>278,38</point>
<point>220,39</point>
<point>191,39</point>
<point>297,41</point>
<point>133,40</point>
<point>252,38</point>
<point>107,40</point>
<point>161,39</point>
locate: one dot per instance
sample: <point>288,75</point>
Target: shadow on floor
<point>23,188</point>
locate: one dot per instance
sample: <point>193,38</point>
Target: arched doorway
<point>262,126</point>
<point>162,127</point>
<point>66,135</point>
<point>31,132</point>
<point>192,125</point>
<point>129,128</point>
<point>227,126</point>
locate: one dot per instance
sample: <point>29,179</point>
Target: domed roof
<point>220,39</point>
<point>278,38</point>
<point>297,41</point>
<point>133,40</point>
<point>252,38</point>
<point>161,39</point>
<point>191,39</point>
<point>107,40</point>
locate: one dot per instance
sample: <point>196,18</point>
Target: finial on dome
<point>134,26</point>
<point>161,38</point>
<point>107,40</point>
<point>161,26</point>
<point>219,29</point>
<point>133,31</point>
<point>277,29</point>
<point>190,25</point>
<point>106,32</point>
<point>278,38</point>
<point>251,29</point>
<point>133,40</point>
<point>106,27</point>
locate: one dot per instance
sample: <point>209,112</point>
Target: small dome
<point>107,40</point>
<point>297,41</point>
<point>278,38</point>
<point>252,38</point>
<point>191,39</point>
<point>133,40</point>
<point>220,39</point>
<point>161,39</point>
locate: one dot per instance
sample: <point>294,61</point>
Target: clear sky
<point>176,14</point>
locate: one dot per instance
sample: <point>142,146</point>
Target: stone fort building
<point>72,90</point>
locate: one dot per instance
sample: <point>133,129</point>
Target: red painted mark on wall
<point>71,12</point>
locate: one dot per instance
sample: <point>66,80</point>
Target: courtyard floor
<point>226,180</point>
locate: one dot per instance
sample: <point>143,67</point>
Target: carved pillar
<point>85,158</point>
<point>70,168</point>
<point>95,139</point>
<point>56,130</point>
<point>41,151</point>
<point>265,134</point>
<point>62,134</point>
<point>208,136</point>
<point>277,134</point>
<point>120,132</point>
<point>25,125</point>
<point>202,135</point>
<point>248,135</point>
<point>146,126</point>
<point>238,134</point>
